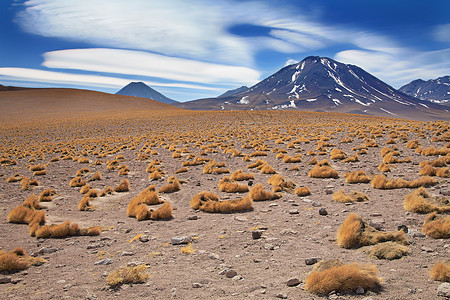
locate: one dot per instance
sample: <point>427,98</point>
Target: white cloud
<point>34,75</point>
<point>442,33</point>
<point>290,62</point>
<point>150,65</point>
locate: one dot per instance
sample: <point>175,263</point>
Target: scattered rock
<point>144,238</point>
<point>214,256</point>
<point>95,246</point>
<point>376,214</point>
<point>418,234</point>
<point>293,212</point>
<point>293,282</point>
<point>197,285</point>
<point>44,250</point>
<point>16,280</point>
<point>269,246</point>
<point>377,223</point>
<point>443,290</point>
<point>273,205</point>
<point>5,279</point>
<point>128,230</point>
<point>311,261</point>
<point>426,249</point>
<point>281,296</point>
<point>403,227</point>
<point>444,192</point>
<point>126,253</point>
<point>323,212</point>
<point>360,290</point>
<point>256,234</point>
<point>106,261</point>
<point>192,218</point>
<point>240,219</point>
<point>223,272</point>
<point>230,273</point>
<point>178,240</point>
<point>328,192</point>
<point>316,203</point>
<point>250,183</point>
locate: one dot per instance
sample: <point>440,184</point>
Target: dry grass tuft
<point>63,230</point>
<point>203,197</point>
<point>337,154</point>
<point>17,260</point>
<point>227,206</point>
<point>357,177</point>
<point>149,196</point>
<point>380,181</point>
<point>173,186</point>
<point>182,170</point>
<point>437,226</point>
<point>77,182</point>
<point>162,213</point>
<point>294,159</point>
<point>84,204</point>
<point>214,167</point>
<point>323,170</point>
<point>124,186</point>
<point>37,168</point>
<point>280,184</point>
<point>343,278</point>
<point>355,196</point>
<point>388,250</point>
<point>32,202</point>
<point>230,186</point>
<point>24,215</point>
<point>124,275</point>
<point>302,191</point>
<point>27,183</point>
<point>238,175</point>
<point>420,201</point>
<point>355,232</point>
<point>257,163</point>
<point>14,178</point>
<point>82,172</point>
<point>96,176</point>
<point>46,195</point>
<point>188,249</point>
<point>384,167</point>
<point>106,191</point>
<point>257,193</point>
<point>353,158</point>
<point>441,271</point>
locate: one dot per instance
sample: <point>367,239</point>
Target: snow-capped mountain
<point>323,84</point>
<point>140,89</point>
<point>434,90</point>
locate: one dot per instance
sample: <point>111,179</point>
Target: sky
<point>200,48</point>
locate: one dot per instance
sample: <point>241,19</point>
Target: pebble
<point>230,273</point>
<point>144,238</point>
<point>311,261</point>
<point>316,203</point>
<point>323,212</point>
<point>273,205</point>
<point>240,219</point>
<point>377,223</point>
<point>43,251</point>
<point>192,218</point>
<point>293,282</point>
<point>443,290</point>
<point>256,234</point>
<point>214,256</point>
<point>293,212</point>
<point>178,240</point>
<point>328,192</point>
<point>360,290</point>
<point>126,253</point>
<point>16,280</point>
<point>223,272</point>
<point>281,296</point>
<point>197,285</point>
<point>5,279</point>
<point>106,261</point>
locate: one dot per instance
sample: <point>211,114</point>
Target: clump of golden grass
<point>438,162</point>
<point>230,186</point>
<point>203,197</point>
<point>106,191</point>
<point>267,169</point>
<point>343,277</point>
<point>357,177</point>
<point>441,271</point>
<point>258,153</point>
<point>124,186</point>
<point>384,167</point>
<point>173,186</point>
<point>257,193</point>
<point>420,201</point>
<point>337,154</point>
<point>77,182</point>
<point>437,226</point>
<point>238,175</point>
<point>257,163</point>
<point>85,188</point>
<point>162,213</point>
<point>213,167</point>
<point>388,250</point>
<point>124,275</point>
<point>155,175</point>
<point>17,260</point>
<point>432,171</point>
<point>323,169</point>
<point>390,158</point>
<point>355,232</point>
<point>84,204</point>
<point>188,249</point>
<point>32,202</point>
<point>46,195</point>
<point>227,206</point>
<point>380,181</point>
<point>54,159</point>
<point>39,167</point>
<point>149,196</point>
<point>27,183</point>
<point>353,158</point>
<point>82,171</point>
<point>280,184</point>
<point>83,160</point>
<point>96,176</point>
<point>40,173</point>
<point>182,170</point>
<point>302,191</point>
<point>292,159</point>
<point>355,196</point>
<point>432,151</point>
<point>65,229</point>
<point>14,178</point>
<point>24,215</point>
<point>197,161</point>
<point>412,144</point>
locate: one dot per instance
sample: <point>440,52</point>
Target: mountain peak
<point>140,89</point>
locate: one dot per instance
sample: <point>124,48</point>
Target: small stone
<point>328,192</point>
<point>61,281</point>
<point>377,223</point>
<point>5,279</point>
<point>230,273</point>
<point>293,212</point>
<point>106,261</point>
<point>237,278</point>
<point>256,234</point>
<point>126,253</point>
<point>273,205</point>
<point>16,280</point>
<point>293,282</point>
<point>444,192</point>
<point>128,230</point>
<point>144,238</point>
<point>281,296</point>
<point>376,214</point>
<point>43,251</point>
<point>426,249</point>
<point>197,285</point>
<point>269,246</point>
<point>192,218</point>
<point>403,227</point>
<point>250,183</point>
<point>223,272</point>
<point>418,235</point>
<point>311,261</point>
<point>214,256</point>
<point>360,290</point>
<point>240,219</point>
<point>316,203</point>
<point>178,240</point>
<point>323,212</point>
<point>443,290</point>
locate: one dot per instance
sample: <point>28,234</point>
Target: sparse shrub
<point>380,181</point>
<point>353,158</point>
<point>124,275</point>
<point>182,170</point>
<point>84,204</point>
<point>238,175</point>
<point>124,186</point>
<point>40,173</point>
<point>420,201</point>
<point>85,188</point>
<point>355,196</point>
<point>388,250</point>
<point>357,177</point>
<point>23,215</point>
<point>106,191</point>
<point>27,183</point>
<point>267,169</point>
<point>412,144</point>
<point>17,260</point>
<point>37,168</point>
<point>355,232</point>
<point>257,193</point>
<point>323,169</point>
<point>14,178</point>
<point>256,164</point>
<point>227,206</point>
<point>302,191</point>
<point>173,186</point>
<point>230,186</point>
<point>384,167</point>
<point>77,182</point>
<point>96,176</point>
<point>343,278</point>
<point>82,171</point>
<point>188,249</point>
<point>337,154</point>
<point>46,195</point>
<point>437,226</point>
<point>280,184</point>
<point>294,159</point>
<point>123,171</point>
<point>162,213</point>
<point>32,202</point>
<point>149,196</point>
<point>441,271</point>
<point>258,153</point>
<point>83,160</point>
<point>203,197</point>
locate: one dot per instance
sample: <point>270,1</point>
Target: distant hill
<point>140,89</point>
<point>323,84</point>
<point>234,92</point>
<point>40,102</point>
<point>434,90</point>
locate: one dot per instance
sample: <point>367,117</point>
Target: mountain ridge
<point>433,90</point>
<point>140,89</point>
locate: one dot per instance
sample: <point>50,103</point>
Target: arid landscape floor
<point>291,226</point>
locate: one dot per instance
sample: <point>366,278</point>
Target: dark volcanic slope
<point>234,91</point>
<point>140,89</point>
<point>434,90</point>
<point>322,84</point>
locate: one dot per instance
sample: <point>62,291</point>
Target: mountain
<point>25,103</point>
<point>234,92</point>
<point>323,84</point>
<point>140,89</point>
<point>434,90</point>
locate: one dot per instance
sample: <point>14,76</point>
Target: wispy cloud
<point>442,33</point>
<point>150,65</point>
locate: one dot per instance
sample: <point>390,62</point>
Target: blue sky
<point>201,48</point>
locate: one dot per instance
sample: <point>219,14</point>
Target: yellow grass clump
<point>357,177</point>
<point>214,167</point>
<point>173,186</point>
<point>257,163</point>
<point>257,193</point>
<point>83,160</point>
<point>203,197</point>
<point>337,154</point>
<point>65,229</point>
<point>238,175</point>
<point>355,196</point>
<point>124,275</point>
<point>96,176</point>
<point>84,204</point>
<point>230,186</point>
<point>292,159</point>
<point>85,188</point>
<point>353,158</point>
<point>437,226</point>
<point>18,260</point>
<point>420,201</point>
<point>188,249</point>
<point>82,172</point>
<point>149,196</point>
<point>343,277</point>
<point>441,271</point>
<point>37,168</point>
<point>302,191</point>
<point>280,184</point>
<point>323,169</point>
<point>124,186</point>
<point>355,232</point>
<point>24,215</point>
<point>162,213</point>
<point>267,169</point>
<point>182,170</point>
<point>380,181</point>
<point>155,175</point>
<point>14,178</point>
<point>106,191</point>
<point>27,183</point>
<point>32,202</point>
<point>46,195</point>
<point>227,206</point>
<point>388,250</point>
<point>77,182</point>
